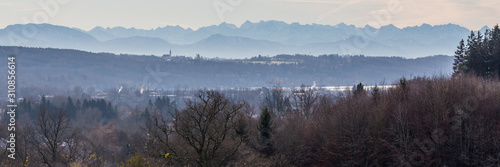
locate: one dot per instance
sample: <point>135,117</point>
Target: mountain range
<point>248,40</point>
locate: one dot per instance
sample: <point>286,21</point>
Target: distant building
<point>168,56</point>
<point>100,95</point>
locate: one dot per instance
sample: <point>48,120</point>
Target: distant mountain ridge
<point>250,39</point>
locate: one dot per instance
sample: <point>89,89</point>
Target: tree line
<point>479,55</point>
<point>71,68</point>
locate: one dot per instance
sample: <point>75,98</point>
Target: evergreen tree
<point>495,49</point>
<point>70,108</point>
<point>472,57</point>
<point>43,102</point>
<point>359,89</point>
<point>85,104</point>
<point>481,54</point>
<point>146,114</point>
<point>486,52</point>
<point>158,103</point>
<point>265,128</point>
<point>459,64</point>
<point>108,111</point>
<point>480,58</point>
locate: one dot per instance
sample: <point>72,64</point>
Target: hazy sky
<point>147,14</point>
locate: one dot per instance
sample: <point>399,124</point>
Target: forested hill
<point>62,68</point>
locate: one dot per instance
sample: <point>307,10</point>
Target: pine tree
<point>359,89</point>
<point>473,57</point>
<point>481,54</point>
<point>70,108</point>
<point>43,102</point>
<point>481,62</point>
<point>470,49</point>
<point>459,64</point>
<point>103,106</point>
<point>495,49</point>
<point>146,114</point>
<point>85,104</point>
<point>486,52</point>
<point>158,103</point>
<point>265,128</point>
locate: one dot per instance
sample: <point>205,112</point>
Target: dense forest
<point>67,69</point>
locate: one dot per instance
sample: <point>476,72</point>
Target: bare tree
<point>277,102</point>
<point>304,100</point>
<point>52,137</point>
<point>212,127</point>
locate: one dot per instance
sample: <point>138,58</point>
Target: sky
<point>150,14</point>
